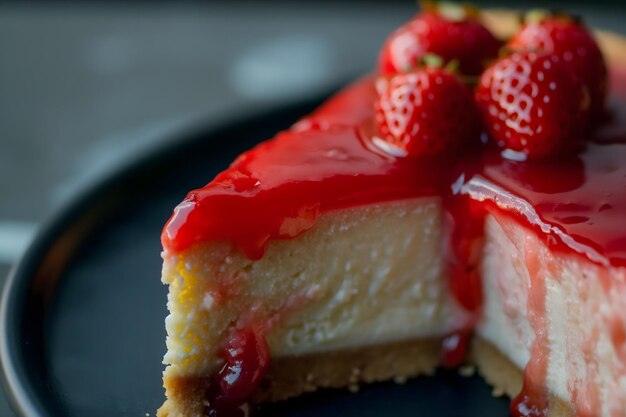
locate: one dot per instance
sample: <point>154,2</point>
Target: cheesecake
<point>327,257</point>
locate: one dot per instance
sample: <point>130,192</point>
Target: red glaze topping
<point>533,401</point>
<point>576,205</point>
<point>333,160</point>
<point>465,221</point>
<point>285,183</point>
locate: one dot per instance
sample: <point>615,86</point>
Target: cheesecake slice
<point>321,259</point>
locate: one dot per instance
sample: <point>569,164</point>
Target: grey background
<point>85,87</point>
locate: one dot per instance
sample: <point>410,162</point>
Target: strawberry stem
<point>454,12</point>
<point>453,66</point>
<point>432,61</point>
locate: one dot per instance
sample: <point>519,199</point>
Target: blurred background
<point>88,86</point>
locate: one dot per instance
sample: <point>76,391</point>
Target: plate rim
<point>15,380</point>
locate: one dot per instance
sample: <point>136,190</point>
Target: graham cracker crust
<point>292,376</point>
<point>496,369</point>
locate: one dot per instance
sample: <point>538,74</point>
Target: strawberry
<point>532,102</point>
<point>568,38</point>
<point>450,31</point>
<point>426,112</point>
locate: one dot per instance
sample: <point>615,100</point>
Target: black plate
<point>82,314</point>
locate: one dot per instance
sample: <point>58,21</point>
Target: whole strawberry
<point>532,102</point>
<point>450,31</point>
<point>568,38</point>
<point>426,112</point>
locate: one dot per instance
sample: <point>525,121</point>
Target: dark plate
<point>82,313</point>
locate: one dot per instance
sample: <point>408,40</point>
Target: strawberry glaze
<point>332,159</point>
<point>533,401</point>
<point>277,190</point>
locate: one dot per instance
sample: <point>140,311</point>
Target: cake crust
<point>292,376</point>
<point>496,369</point>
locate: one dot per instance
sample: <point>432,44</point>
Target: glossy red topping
<point>532,102</point>
<point>533,400</point>
<point>568,38</point>
<point>453,33</point>
<point>466,229</point>
<point>288,181</point>
<point>426,112</point>
<point>324,164</point>
<point>578,205</point>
